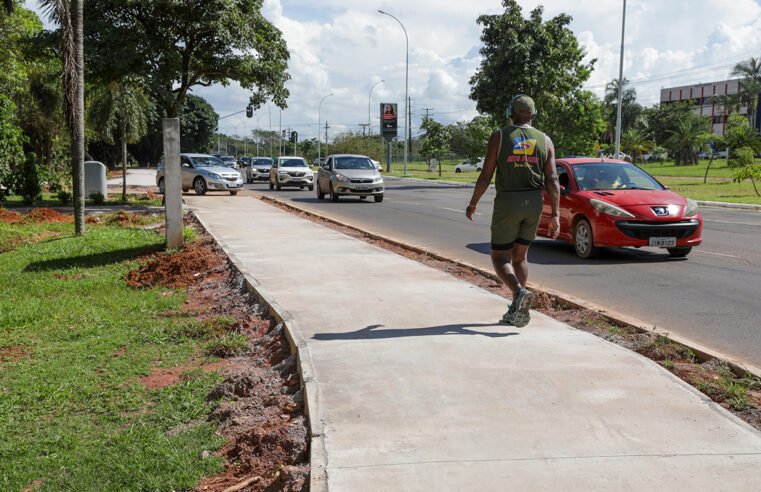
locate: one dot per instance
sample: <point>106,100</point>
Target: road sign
<point>388,120</point>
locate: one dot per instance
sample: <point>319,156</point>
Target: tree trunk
<point>78,132</point>
<point>754,186</point>
<point>705,178</point>
<point>124,162</point>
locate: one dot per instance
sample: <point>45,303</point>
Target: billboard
<point>388,120</point>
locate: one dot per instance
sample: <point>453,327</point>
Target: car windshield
<point>613,176</point>
<point>206,161</point>
<point>353,163</point>
<point>262,162</point>
<point>293,163</point>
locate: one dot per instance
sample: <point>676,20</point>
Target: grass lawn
<point>74,341</point>
<point>51,200</point>
<point>719,169</point>
<point>420,170</point>
<point>714,191</point>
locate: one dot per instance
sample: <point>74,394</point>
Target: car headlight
<point>215,176</point>
<point>378,179</point>
<point>341,177</point>
<point>691,210</point>
<point>609,208</point>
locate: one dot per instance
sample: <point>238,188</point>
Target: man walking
<point>524,159</point>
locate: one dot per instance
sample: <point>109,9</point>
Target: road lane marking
<point>730,222</point>
<point>458,211</point>
<point>717,254</point>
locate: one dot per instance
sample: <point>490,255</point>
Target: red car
<point>610,203</point>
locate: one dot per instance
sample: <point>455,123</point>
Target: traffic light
<point>294,136</point>
<point>249,111</point>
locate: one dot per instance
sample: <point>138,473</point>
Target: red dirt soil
<point>36,216</point>
<point>261,408</point>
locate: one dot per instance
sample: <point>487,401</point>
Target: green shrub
<point>64,197</point>
<point>228,345</point>
<point>30,181</point>
<point>97,198</point>
<point>741,157</point>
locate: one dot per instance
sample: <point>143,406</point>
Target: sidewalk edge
<point>318,458</point>
<point>701,352</point>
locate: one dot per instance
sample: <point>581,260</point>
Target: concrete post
<point>172,183</point>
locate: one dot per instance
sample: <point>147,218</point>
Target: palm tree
<point>121,113</point>
<point>636,143</point>
<point>630,110</point>
<point>68,15</point>
<point>684,140</point>
<point>9,5</point>
<point>750,86</point>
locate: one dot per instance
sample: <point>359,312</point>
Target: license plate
<point>361,188</point>
<point>232,185</point>
<point>663,242</point>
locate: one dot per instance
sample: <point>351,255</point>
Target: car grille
<point>646,230</point>
<point>362,180</point>
<point>296,174</point>
<point>231,178</point>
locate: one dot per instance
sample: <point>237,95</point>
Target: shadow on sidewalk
<point>372,332</point>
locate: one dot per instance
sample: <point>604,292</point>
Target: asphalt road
<point>713,297</point>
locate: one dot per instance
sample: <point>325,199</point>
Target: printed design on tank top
<point>523,152</point>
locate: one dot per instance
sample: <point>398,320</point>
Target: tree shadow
<point>92,260</point>
<point>372,332</point>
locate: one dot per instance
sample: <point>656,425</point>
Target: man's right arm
<point>484,179</point>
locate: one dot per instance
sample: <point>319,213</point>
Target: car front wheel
<point>457,170</point>
<point>679,252</point>
<point>583,240</point>
<point>333,194</point>
<point>233,193</point>
<point>378,198</point>
<point>320,194</point>
<point>199,185</point>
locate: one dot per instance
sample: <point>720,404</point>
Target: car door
<point>324,175</point>
<point>187,171</point>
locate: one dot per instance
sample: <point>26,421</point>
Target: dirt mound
<point>124,218</point>
<point>10,217</point>
<point>47,216</point>
<point>180,269</point>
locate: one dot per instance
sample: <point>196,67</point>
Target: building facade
<point>702,96</point>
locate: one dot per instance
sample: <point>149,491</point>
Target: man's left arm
<point>552,185</point>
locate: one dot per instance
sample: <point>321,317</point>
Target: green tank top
<point>521,158</point>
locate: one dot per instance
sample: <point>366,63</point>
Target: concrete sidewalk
<point>418,388</point>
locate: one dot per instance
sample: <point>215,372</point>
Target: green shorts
<point>515,218</point>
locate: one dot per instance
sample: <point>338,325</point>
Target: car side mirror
<point>185,164</point>
<point>564,191</point>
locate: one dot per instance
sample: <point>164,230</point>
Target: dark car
<point>611,203</point>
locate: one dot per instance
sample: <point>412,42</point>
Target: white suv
<point>291,171</point>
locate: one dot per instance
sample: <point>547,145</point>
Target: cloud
<point>345,46</point>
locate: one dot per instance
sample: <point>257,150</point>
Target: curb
<point>318,457</point>
<point>701,352</point>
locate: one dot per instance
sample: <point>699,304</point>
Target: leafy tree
<point>11,150</point>
<point>198,122</point>
<point>68,14</point>
<point>684,139</point>
<point>576,124</point>
<point>711,141</point>
<point>178,44</point>
<point>469,140</point>
<point>354,143</point>
<point>120,113</point>
<point>746,168</point>
<point>662,118</point>
<point>436,140</point>
<point>739,135</point>
<point>540,58</point>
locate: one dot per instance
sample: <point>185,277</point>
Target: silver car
<point>346,174</point>
<point>204,173</point>
<point>258,169</point>
<point>291,171</point>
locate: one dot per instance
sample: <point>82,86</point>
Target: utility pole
<point>326,133</point>
<point>364,128</point>
<point>408,142</point>
<point>427,112</point>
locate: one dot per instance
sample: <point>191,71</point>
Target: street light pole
<point>406,88</point>
<point>620,87</point>
<point>319,110</point>
<point>369,127</point>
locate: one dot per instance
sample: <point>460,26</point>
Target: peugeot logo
<point>661,211</point>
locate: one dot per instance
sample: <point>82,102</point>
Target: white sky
<point>345,46</point>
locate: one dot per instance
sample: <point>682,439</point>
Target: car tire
<point>199,185</point>
<point>277,186</point>
<point>320,194</point>
<point>185,190</point>
<point>378,198</point>
<point>310,187</point>
<point>272,186</point>
<point>362,197</point>
<point>457,170</point>
<point>679,252</point>
<point>233,193</point>
<point>162,186</point>
<point>333,195</point>
<point>583,240</point>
